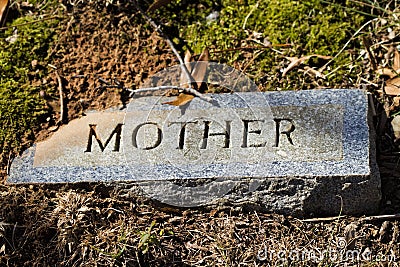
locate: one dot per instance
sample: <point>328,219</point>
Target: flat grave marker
<point>301,153</point>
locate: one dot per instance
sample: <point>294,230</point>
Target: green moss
<point>310,27</point>
<point>20,104</point>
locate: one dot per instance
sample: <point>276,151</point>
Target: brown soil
<point>98,225</point>
<point>98,47</point>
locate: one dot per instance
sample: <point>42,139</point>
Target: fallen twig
<point>294,62</point>
<point>132,92</point>
<point>189,77</point>
<point>372,59</point>
<point>9,163</point>
<point>166,38</point>
<point>248,15</point>
<point>325,219</point>
<point>146,89</point>
<point>382,217</point>
<point>157,4</point>
<point>60,90</point>
<point>314,72</point>
<point>256,55</point>
<point>346,44</point>
<point>157,88</point>
<point>249,48</point>
<point>29,22</point>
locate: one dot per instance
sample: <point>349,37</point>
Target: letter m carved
<point>92,133</point>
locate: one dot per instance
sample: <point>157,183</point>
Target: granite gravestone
<point>301,153</point>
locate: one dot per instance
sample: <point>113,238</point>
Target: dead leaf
<point>213,212</point>
<point>396,102</point>
<point>367,44</point>
<point>295,61</point>
<point>200,69</point>
<point>396,126</point>
<point>181,100</point>
<point>393,86</point>
<point>394,82</point>
<point>388,72</point>
<point>157,4</point>
<point>205,56</point>
<point>396,60</point>
<point>199,74</point>
<point>3,11</point>
<point>392,90</point>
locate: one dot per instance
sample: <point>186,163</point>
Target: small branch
<point>170,43</point>
<point>248,15</point>
<point>271,46</point>
<point>372,59</point>
<point>324,219</point>
<point>382,217</point>
<point>112,86</point>
<point>9,163</point>
<point>370,218</point>
<point>157,88</point>
<point>186,90</point>
<point>60,90</point>
<point>249,48</point>
<point>346,44</point>
<point>29,22</point>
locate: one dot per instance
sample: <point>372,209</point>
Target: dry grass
<point>96,225</point>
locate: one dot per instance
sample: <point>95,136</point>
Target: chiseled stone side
<point>325,166</point>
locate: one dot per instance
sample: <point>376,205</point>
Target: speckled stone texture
<point>304,153</point>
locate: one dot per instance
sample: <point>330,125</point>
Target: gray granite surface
<point>302,153</point>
